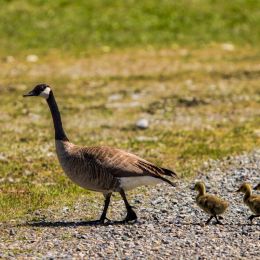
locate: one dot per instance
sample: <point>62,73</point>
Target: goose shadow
<point>75,223</point>
<point>54,224</point>
<point>223,224</point>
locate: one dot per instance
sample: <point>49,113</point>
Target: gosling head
<point>200,187</point>
<point>245,187</point>
<point>257,187</point>
<point>41,90</point>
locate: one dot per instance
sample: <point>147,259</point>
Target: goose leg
<point>207,222</point>
<point>104,213</point>
<point>130,212</point>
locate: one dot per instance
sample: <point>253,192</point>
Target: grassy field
<point>81,27</point>
<point>111,64</point>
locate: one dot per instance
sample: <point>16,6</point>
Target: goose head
<point>41,90</point>
<point>245,187</point>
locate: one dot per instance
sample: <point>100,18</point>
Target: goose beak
<point>29,94</point>
<point>255,188</point>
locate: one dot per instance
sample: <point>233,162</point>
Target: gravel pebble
<point>170,225</point>
<point>142,123</point>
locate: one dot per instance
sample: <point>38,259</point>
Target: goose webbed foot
<point>131,216</point>
<point>102,221</point>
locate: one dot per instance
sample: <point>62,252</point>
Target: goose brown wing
<point>123,164</point>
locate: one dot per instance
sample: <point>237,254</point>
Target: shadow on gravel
<point>75,223</point>
<point>118,223</point>
<point>223,225</point>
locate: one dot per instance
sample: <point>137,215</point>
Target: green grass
<point>81,27</point>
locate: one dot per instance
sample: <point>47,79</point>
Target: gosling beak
<point>255,188</point>
<point>237,190</point>
<point>29,94</point>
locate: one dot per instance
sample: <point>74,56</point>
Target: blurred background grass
<point>190,67</point>
<point>80,26</point>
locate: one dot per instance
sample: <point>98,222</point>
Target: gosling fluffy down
<point>252,201</point>
<point>211,204</point>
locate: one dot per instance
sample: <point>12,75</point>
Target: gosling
<point>252,201</point>
<point>257,187</point>
<point>211,204</point>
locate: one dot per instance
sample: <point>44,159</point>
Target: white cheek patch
<point>45,93</point>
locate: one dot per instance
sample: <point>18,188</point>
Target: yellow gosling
<point>257,187</point>
<point>211,204</point>
<point>252,201</point>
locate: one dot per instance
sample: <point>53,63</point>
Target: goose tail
<point>168,172</point>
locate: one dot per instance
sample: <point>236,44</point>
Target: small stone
<point>3,158</point>
<point>115,97</point>
<point>142,123</point>
<point>9,59</point>
<point>32,58</point>
<point>11,232</point>
<point>147,138</point>
<point>227,47</point>
<point>65,209</point>
<point>164,241</point>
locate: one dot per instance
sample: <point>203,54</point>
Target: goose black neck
<point>59,132</point>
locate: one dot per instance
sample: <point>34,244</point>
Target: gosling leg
<point>131,215</point>
<point>207,222</point>
<point>218,222</point>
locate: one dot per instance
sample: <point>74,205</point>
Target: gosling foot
<point>208,221</point>
<point>217,219</point>
<point>218,222</point>
<point>252,217</point>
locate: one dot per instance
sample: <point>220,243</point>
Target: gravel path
<point>170,224</point>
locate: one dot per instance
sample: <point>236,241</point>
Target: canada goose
<point>257,187</point>
<point>211,204</point>
<point>100,168</point>
<point>252,201</point>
